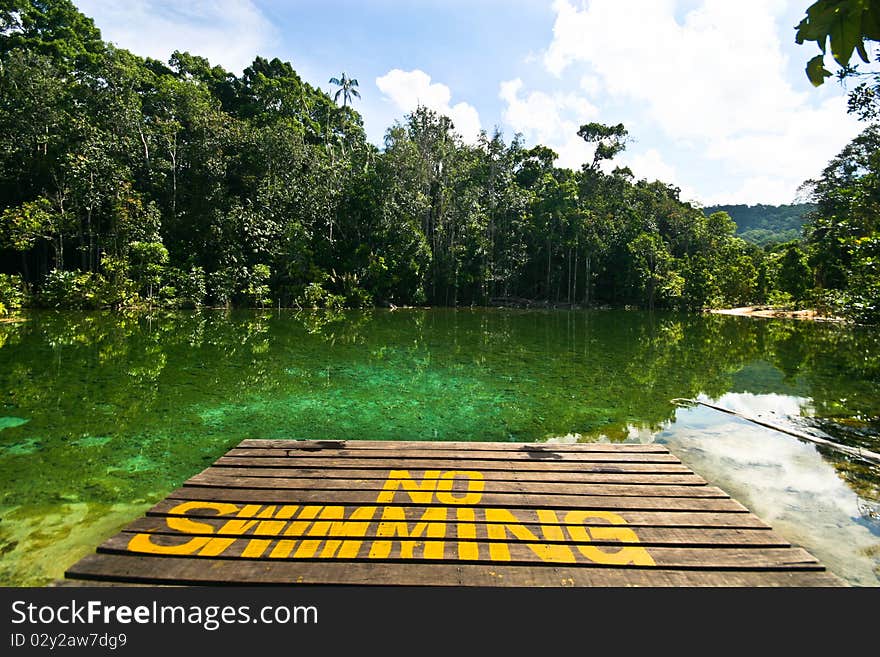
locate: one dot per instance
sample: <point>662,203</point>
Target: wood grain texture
<point>708,558</point>
<point>647,536</point>
<point>429,446</point>
<point>385,464</point>
<point>281,512</point>
<point>665,518</point>
<point>510,457</point>
<point>180,571</point>
<point>541,501</point>
<point>211,479</point>
<point>623,477</point>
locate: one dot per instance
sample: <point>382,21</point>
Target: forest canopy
<point>127,181</point>
<point>764,224</point>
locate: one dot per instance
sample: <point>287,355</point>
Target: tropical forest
<point>129,182</point>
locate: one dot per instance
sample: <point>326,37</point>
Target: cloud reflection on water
<point>785,481</point>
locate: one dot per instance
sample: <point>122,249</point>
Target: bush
<point>795,275</point>
<point>312,296</point>
<point>222,285</point>
<point>358,297</point>
<point>257,291</point>
<point>184,289</point>
<point>861,299</point>
<point>827,302</point>
<point>781,300</point>
<point>12,293</point>
<point>79,290</point>
<point>315,296</point>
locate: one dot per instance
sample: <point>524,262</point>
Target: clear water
<point>101,415</point>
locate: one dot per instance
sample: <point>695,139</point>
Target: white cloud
<point>230,33</point>
<point>409,89</point>
<point>753,190</point>
<point>651,166</point>
<point>591,84</point>
<point>715,77</point>
<point>549,119</point>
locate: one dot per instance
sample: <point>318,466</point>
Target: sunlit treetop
<point>51,27</point>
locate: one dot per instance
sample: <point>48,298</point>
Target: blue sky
<point>712,91</point>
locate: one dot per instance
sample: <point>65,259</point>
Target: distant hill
<point>766,224</point>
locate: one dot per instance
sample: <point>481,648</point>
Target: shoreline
<point>777,313</point>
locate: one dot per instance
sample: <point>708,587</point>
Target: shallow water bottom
<point>103,415</point>
<point>38,543</point>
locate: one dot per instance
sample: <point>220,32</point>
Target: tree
<point>148,260</point>
<point>185,182</point>
<point>653,265</point>
<point>346,89</point>
<point>609,140</point>
<point>49,27</point>
<point>794,272</point>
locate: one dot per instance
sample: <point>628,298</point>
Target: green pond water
<point>101,415</point>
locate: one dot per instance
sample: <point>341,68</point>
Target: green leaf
<point>871,22</point>
<point>816,71</point>
<point>845,33</point>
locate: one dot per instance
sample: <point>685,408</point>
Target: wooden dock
<point>284,512</point>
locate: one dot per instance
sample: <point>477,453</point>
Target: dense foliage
<point>849,27</point>
<point>843,234</point>
<point>127,181</point>
<point>124,180</point>
<point>766,224</point>
<point>843,27</point>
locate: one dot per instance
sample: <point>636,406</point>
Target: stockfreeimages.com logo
<point>210,617</point>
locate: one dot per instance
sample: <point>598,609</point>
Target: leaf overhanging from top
<point>816,70</point>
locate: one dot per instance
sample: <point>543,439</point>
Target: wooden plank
<point>448,464</point>
<point>664,518</point>
<point>139,569</point>
<point>646,536</point>
<point>182,571</point>
<point>280,512</point>
<point>484,551</point>
<point>454,455</point>
<point>343,498</point>
<point>97,583</point>
<point>329,474</point>
<point>212,480</point>
<point>422,446</point>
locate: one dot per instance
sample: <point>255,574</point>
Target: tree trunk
<point>549,245</point>
<point>174,178</point>
<point>146,148</point>
<point>568,289</point>
<point>587,259</point>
